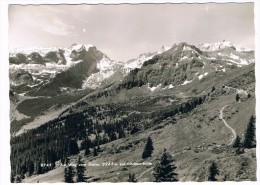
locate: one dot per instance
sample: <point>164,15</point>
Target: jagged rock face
<point>84,66</point>
<point>56,57</point>
<point>37,58</point>
<point>182,64</point>
<point>73,77</point>
<point>53,68</point>
<point>79,66</point>
<point>21,77</point>
<point>19,58</point>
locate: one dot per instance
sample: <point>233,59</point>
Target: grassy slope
<point>36,106</point>
<point>40,110</point>
<point>194,141</point>
<point>192,146</point>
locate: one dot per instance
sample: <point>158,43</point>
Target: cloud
<point>54,26</point>
<point>128,30</point>
<point>50,19</point>
<point>54,19</point>
<point>58,27</point>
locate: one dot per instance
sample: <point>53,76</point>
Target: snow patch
<point>172,100</point>
<point>168,87</point>
<point>104,64</point>
<point>137,63</point>
<point>106,68</point>
<point>212,58</point>
<point>186,82</point>
<point>67,57</point>
<point>80,47</point>
<point>22,94</point>
<point>185,57</point>
<point>242,62</point>
<point>77,47</point>
<point>202,75</point>
<point>215,46</point>
<point>222,45</point>
<point>234,56</point>
<point>188,48</point>
<point>32,85</point>
<point>242,49</point>
<point>220,54</point>
<point>153,88</point>
<point>64,89</point>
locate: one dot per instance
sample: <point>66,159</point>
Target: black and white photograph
<point>131,92</point>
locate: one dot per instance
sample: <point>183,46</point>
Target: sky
<point>125,31</point>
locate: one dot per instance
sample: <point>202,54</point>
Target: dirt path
<point>149,169</point>
<point>232,130</point>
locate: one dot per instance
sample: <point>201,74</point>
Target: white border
<point>4,79</point>
<point>257,92</point>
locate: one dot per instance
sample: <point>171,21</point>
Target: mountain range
<point>51,71</point>
<point>186,98</point>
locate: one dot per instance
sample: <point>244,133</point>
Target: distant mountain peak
<point>80,47</point>
<point>188,61</point>
<point>221,45</point>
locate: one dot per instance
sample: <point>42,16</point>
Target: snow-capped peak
<point>163,49</point>
<point>241,48</point>
<point>44,50</point>
<point>41,50</point>
<point>138,62</point>
<point>107,68</point>
<point>221,45</point>
<point>79,47</point>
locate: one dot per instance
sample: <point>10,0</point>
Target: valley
<point>192,101</point>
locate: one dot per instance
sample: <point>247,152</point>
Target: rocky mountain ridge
<point>34,69</point>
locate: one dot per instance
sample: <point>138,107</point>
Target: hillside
<point>190,100</point>
<point>194,140</point>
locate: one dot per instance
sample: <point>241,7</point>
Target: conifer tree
<point>237,142</point>
<point>80,171</point>
<point>68,172</point>
<point>18,179</point>
<point>250,133</point>
<point>113,136</point>
<point>73,147</point>
<point>131,177</point>
<point>12,177</point>
<point>95,153</point>
<point>213,171</point>
<point>38,167</point>
<point>148,150</point>
<point>237,97</point>
<point>164,170</point>
<point>87,151</point>
<point>30,168</point>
